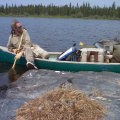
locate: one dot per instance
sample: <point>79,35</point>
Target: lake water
<point>54,34</point>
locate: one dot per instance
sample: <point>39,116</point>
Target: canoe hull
<point>6,56</point>
<point>75,67</point>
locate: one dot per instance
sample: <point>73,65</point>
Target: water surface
<point>54,34</point>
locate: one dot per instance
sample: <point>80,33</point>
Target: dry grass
<point>61,104</point>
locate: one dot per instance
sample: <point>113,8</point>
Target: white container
<point>100,56</point>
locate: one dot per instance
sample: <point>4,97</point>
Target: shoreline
<point>63,17</point>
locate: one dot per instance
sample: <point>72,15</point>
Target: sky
<point>100,3</point>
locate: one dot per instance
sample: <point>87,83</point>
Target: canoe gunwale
<point>100,63</point>
<point>6,50</point>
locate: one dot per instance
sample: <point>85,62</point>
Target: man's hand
<point>15,50</point>
<point>18,56</point>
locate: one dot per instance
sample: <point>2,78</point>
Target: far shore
<point>64,17</point>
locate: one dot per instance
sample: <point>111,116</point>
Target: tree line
<point>85,10</point>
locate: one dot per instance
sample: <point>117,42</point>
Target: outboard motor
<point>67,53</point>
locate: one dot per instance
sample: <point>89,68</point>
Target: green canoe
<point>53,64</point>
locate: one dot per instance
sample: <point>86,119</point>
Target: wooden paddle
<point>18,48</point>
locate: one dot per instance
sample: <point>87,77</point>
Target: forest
<point>82,11</point>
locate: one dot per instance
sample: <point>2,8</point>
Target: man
<point>27,49</point>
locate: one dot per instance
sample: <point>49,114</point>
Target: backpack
<point>116,54</point>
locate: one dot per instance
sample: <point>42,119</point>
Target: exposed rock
<point>101,86</point>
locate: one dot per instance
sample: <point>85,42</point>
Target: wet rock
<point>101,86</point>
<point>3,87</point>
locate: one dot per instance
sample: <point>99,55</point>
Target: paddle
<point>18,48</point>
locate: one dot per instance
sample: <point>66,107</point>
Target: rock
<point>101,86</point>
<point>3,87</point>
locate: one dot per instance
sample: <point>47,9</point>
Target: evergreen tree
<point>85,10</point>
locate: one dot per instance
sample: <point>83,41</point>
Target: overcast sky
<point>100,3</point>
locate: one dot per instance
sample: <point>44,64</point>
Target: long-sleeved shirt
<point>14,40</point>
